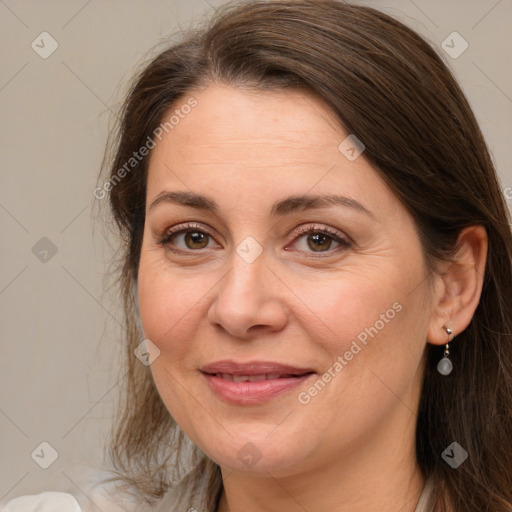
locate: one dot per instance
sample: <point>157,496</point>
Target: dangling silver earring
<point>445,366</point>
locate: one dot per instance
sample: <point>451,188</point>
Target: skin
<point>351,448</point>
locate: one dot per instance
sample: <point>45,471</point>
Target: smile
<point>252,389</point>
<point>253,378</point>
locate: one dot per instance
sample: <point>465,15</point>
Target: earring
<point>445,366</point>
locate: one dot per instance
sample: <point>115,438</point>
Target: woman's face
<point>347,302</point>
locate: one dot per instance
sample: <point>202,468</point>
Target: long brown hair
<point>390,88</point>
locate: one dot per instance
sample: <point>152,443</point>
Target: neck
<point>381,473</point>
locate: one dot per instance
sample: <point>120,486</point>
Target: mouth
<point>254,382</point>
<point>269,369</point>
<point>255,378</point>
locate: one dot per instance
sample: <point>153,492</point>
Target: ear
<point>459,286</point>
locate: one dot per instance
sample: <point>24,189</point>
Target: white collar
<point>425,497</point>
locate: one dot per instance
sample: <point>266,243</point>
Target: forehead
<point>226,117</point>
<point>257,144</point>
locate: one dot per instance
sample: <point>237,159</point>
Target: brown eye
<point>319,242</point>
<point>196,239</point>
<point>189,238</point>
<point>314,239</point>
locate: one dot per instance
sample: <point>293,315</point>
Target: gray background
<point>60,330</point>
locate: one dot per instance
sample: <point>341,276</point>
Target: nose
<point>249,300</point>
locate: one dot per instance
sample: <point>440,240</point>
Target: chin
<point>259,455</point>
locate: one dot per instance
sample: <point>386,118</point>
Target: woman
<point>318,257</point>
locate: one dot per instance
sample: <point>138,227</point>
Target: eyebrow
<point>279,208</point>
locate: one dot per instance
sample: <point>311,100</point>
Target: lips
<point>254,368</point>
<point>254,382</point>
<point>252,378</point>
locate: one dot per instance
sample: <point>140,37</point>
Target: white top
<point>64,502</point>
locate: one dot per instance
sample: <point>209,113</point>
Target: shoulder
<point>43,502</point>
<point>95,494</point>
<point>189,493</point>
<point>100,498</point>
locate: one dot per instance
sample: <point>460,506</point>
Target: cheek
<point>353,305</point>
<point>163,297</point>
<point>167,306</point>
<point>170,311</point>
<point>371,325</point>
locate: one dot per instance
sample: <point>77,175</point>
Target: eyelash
<point>299,233</point>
